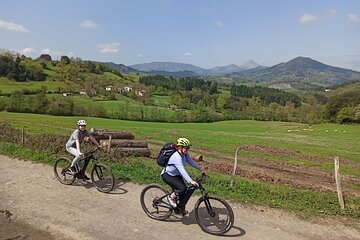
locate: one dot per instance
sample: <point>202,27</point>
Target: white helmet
<point>81,122</point>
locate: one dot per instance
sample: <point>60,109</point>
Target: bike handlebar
<point>202,178</point>
<point>88,154</point>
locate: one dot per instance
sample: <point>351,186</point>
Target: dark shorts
<point>175,182</point>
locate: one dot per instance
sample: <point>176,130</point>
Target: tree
<point>7,65</point>
<point>65,60</point>
<point>201,114</point>
<point>17,102</point>
<point>40,103</point>
<point>33,70</point>
<point>346,115</point>
<point>69,71</point>
<point>61,107</point>
<point>45,57</point>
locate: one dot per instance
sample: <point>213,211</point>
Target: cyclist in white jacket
<point>175,173</point>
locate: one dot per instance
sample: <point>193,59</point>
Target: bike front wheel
<point>102,178</point>
<point>154,203</point>
<point>214,215</point>
<point>61,171</point>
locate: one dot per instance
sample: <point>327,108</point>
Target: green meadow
<point>220,139</point>
<point>8,86</point>
<point>317,140</point>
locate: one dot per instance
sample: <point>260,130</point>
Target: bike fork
<point>99,172</point>
<point>209,208</point>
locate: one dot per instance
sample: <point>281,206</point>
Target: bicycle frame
<point>87,158</point>
<point>204,195</point>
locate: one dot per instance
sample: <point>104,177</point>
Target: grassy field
<point>110,105</point>
<point>319,140</point>
<point>323,140</point>
<point>8,86</point>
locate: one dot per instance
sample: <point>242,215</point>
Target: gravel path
<point>42,208</point>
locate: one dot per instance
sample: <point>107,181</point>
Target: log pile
<point>120,141</point>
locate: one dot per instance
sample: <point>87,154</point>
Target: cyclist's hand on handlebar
<point>194,183</point>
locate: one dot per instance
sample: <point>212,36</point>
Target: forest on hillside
<point>183,99</point>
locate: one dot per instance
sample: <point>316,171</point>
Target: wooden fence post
<point>109,146</point>
<point>235,166</point>
<point>338,183</point>
<point>22,136</point>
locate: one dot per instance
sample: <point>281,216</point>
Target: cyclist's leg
<point>74,152</point>
<point>176,183</point>
<point>185,197</point>
<point>81,174</point>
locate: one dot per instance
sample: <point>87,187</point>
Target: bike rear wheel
<point>61,171</point>
<point>102,178</point>
<point>214,215</point>
<point>154,203</point>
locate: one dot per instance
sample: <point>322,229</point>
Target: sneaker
<point>86,177</point>
<point>171,201</point>
<point>184,212</point>
<point>72,170</point>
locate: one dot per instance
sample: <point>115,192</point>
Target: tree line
<point>21,68</point>
<point>179,84</point>
<point>267,95</point>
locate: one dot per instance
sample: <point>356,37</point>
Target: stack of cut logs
<point>120,141</point>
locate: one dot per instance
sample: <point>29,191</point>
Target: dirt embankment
<point>34,205</point>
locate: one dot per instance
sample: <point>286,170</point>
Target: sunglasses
<point>187,148</point>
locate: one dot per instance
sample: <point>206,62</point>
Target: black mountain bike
<point>212,214</point>
<point>101,175</point>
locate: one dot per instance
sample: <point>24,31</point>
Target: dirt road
<point>43,208</point>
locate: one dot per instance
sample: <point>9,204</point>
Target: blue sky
<point>206,33</point>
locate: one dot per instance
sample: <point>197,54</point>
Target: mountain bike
<point>101,175</point>
<point>214,215</point>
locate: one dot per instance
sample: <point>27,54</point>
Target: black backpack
<point>165,153</point>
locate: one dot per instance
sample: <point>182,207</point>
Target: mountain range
<point>183,67</point>
<point>300,73</point>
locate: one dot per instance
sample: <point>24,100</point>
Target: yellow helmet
<point>183,142</point>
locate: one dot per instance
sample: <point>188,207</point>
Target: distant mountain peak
<point>169,67</point>
<point>249,65</point>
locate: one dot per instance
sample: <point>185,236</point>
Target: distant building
<point>109,88</point>
<point>83,93</point>
<point>141,93</point>
<point>67,94</point>
<point>127,89</point>
<point>327,90</point>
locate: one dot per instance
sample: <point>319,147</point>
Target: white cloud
<point>32,52</point>
<point>28,51</point>
<point>307,18</point>
<point>219,23</point>
<point>188,54</point>
<point>353,17</point>
<point>88,24</point>
<point>13,27</point>
<point>140,55</point>
<point>55,53</point>
<point>108,47</point>
<point>332,13</point>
